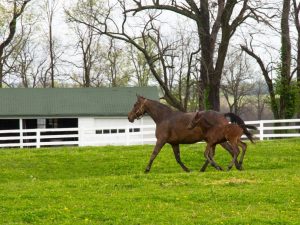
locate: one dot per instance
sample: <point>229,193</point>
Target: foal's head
<point>195,121</point>
<point>138,109</point>
<point>200,119</point>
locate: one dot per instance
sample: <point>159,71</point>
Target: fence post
<point>21,133</point>
<point>38,138</point>
<point>261,130</point>
<point>80,136</point>
<point>142,130</point>
<point>127,135</point>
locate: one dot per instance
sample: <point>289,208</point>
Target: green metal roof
<point>42,102</point>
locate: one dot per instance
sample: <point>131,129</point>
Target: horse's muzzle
<point>190,126</point>
<point>130,119</point>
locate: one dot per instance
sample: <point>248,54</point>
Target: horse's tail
<point>238,120</point>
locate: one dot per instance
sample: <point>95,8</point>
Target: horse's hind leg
<point>229,149</point>
<point>244,148</point>
<point>203,168</point>
<point>155,152</point>
<point>236,152</point>
<point>176,151</point>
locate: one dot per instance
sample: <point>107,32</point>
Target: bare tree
<point>30,65</point>
<point>50,7</point>
<point>116,66</point>
<point>18,9</point>
<point>88,52</point>
<point>141,74</point>
<point>150,42</point>
<point>216,23</point>
<point>236,82</point>
<point>260,100</point>
<point>87,46</point>
<point>282,106</point>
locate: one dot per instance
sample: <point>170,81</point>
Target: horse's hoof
<point>240,168</point>
<point>219,168</point>
<point>146,171</point>
<point>229,168</point>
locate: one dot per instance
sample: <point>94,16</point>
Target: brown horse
<point>220,133</point>
<point>172,127</point>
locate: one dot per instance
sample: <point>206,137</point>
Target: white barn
<point>73,116</point>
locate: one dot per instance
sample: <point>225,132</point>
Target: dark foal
<point>172,127</point>
<point>221,133</point>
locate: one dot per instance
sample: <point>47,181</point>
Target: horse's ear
<point>198,116</point>
<point>139,96</point>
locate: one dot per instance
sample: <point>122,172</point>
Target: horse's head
<point>195,121</point>
<point>138,109</point>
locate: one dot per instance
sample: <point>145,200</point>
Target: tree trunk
<point>51,54</point>
<point>1,72</point>
<point>297,24</point>
<point>285,95</point>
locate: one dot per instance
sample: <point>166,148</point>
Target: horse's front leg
<point>176,151</point>
<point>156,150</point>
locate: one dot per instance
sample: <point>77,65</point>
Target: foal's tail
<point>238,120</point>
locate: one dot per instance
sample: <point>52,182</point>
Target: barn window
<point>62,123</point>
<point>9,124</point>
<point>115,131</point>
<point>41,123</point>
<point>134,130</point>
<point>106,131</point>
<point>98,131</point>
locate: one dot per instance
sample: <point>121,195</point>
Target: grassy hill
<point>106,185</point>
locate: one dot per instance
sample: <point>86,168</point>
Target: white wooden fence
<point>132,135</point>
<point>276,128</point>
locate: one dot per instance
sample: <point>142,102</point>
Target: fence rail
<point>130,135</point>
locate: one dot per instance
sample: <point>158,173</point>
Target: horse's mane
<point>161,105</point>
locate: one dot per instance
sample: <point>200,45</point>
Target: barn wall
<point>113,131</point>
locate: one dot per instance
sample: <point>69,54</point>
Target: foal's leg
<point>244,148</point>
<point>236,152</point>
<point>203,168</point>
<point>229,149</point>
<point>208,156</point>
<point>176,151</point>
<point>155,152</point>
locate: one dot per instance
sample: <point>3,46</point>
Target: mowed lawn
<point>107,185</point>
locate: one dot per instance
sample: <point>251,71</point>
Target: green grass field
<point>107,185</point>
